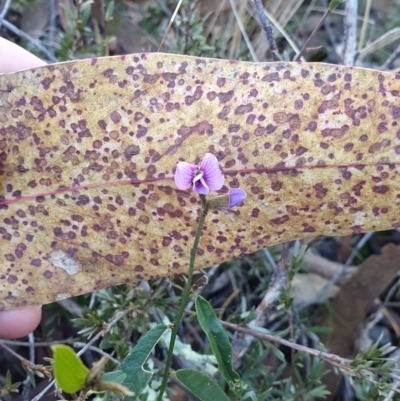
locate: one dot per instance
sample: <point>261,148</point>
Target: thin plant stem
<point>171,21</point>
<point>321,21</point>
<point>185,297</point>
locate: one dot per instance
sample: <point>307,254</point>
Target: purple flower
<point>236,196</point>
<point>205,178</point>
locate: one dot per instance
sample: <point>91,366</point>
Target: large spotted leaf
<point>88,150</point>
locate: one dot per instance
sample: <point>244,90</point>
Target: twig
<point>333,359</point>
<point>12,352</point>
<point>36,344</point>
<point>392,291</point>
<point>44,391</point>
<point>171,21</point>
<point>227,302</point>
<point>4,11</point>
<point>27,383</point>
<point>350,32</point>
<point>29,39</point>
<point>267,27</point>
<point>313,33</point>
<point>243,31</point>
<point>388,63</point>
<point>277,282</point>
<point>99,351</point>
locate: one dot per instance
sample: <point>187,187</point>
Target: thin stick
<point>277,283</point>
<point>243,31</point>
<point>99,351</point>
<point>29,39</point>
<point>4,11</point>
<point>388,63</point>
<point>350,32</point>
<point>36,344</point>
<point>268,29</point>
<point>333,359</point>
<point>12,352</point>
<point>315,30</point>
<point>171,21</point>
<point>27,382</point>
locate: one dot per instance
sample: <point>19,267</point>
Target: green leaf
<point>201,385</point>
<point>219,342</point>
<point>109,11</point>
<point>136,377</point>
<point>69,371</point>
<point>117,376</point>
<point>334,3</point>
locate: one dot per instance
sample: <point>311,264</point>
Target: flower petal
<point>200,187</point>
<point>184,175</point>
<point>236,195</point>
<point>211,172</point>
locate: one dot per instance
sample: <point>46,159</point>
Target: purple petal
<point>236,196</point>
<point>200,186</point>
<point>211,172</point>
<point>184,175</point>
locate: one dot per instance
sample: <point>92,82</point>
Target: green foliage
<point>334,4</point>
<point>137,378</point>
<point>69,371</point>
<point>9,386</point>
<point>219,342</point>
<point>374,357</point>
<point>107,304</point>
<point>201,385</point>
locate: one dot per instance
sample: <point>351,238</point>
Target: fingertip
<point>19,322</point>
<point>15,58</point>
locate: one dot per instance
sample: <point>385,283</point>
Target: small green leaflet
<point>69,371</point>
<point>136,377</point>
<point>201,385</point>
<point>219,342</point>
